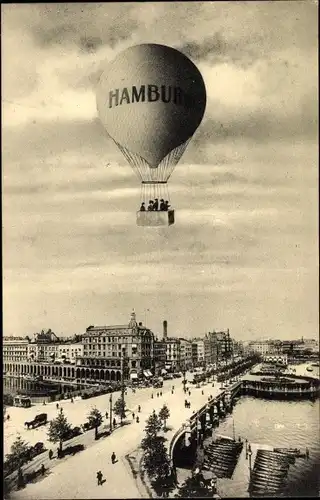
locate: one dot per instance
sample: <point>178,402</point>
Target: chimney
<point>165,330</point>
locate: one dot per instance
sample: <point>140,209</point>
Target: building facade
<point>159,357</point>
<point>173,360</point>
<point>15,349</point>
<point>262,347</point>
<point>69,352</point>
<point>185,354</point>
<point>218,347</point>
<point>110,346</point>
<point>198,352</point>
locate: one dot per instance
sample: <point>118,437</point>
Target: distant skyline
<point>243,253</point>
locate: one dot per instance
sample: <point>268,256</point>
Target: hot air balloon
<point>151,100</point>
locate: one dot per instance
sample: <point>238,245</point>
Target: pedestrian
<point>99,477</point>
<point>107,415</point>
<point>44,403</point>
<point>156,204</point>
<point>152,396</point>
<point>42,470</point>
<point>201,393</point>
<point>8,417</point>
<point>114,422</point>
<point>71,400</point>
<point>139,408</point>
<point>58,453</point>
<point>57,406</point>
<point>157,394</point>
<point>189,393</point>
<point>137,419</point>
<point>113,457</point>
<point>172,391</point>
<point>133,415</point>
<point>50,454</point>
<point>160,393</point>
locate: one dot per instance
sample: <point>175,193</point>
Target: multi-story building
<point>44,347</point>
<point>311,344</point>
<point>185,354</point>
<point>207,351</point>
<point>15,349</point>
<point>42,352</point>
<point>194,347</point>
<point>198,352</point>
<point>262,347</point>
<point>69,352</point>
<point>107,347</point>
<point>173,353</point>
<point>218,347</point>
<point>159,357</point>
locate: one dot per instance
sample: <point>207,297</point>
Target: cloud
<point>243,251</point>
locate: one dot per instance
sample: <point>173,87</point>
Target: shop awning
<point>133,375</point>
<point>147,373</point>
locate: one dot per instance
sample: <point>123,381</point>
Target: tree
<point>194,487</point>
<point>164,414</point>
<point>59,429</point>
<point>153,425</point>
<point>156,461</point>
<point>19,452</point>
<point>119,408</point>
<point>95,420</point>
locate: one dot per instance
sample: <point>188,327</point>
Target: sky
<point>243,253</point>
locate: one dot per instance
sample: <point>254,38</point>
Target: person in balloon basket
<point>162,204</point>
<point>156,204</point>
<point>142,208</point>
<point>150,206</point>
<point>166,206</point>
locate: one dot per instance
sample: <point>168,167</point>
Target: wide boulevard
<point>75,476</point>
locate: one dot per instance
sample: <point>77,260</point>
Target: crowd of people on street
<point>154,206</point>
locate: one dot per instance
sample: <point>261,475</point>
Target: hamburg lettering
<point>150,93</point>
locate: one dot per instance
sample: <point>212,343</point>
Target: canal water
<point>36,390</point>
<point>281,424</point>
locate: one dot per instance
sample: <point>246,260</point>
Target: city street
<point>65,482</point>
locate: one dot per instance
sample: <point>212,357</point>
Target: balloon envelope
<point>151,99</point>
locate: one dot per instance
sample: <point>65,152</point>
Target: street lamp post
<point>249,455</point>
<point>110,401</point>
<point>122,375</point>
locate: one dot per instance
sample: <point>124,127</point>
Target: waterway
<point>18,385</point>
<point>283,424</point>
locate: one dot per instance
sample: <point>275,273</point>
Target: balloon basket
<point>155,219</point>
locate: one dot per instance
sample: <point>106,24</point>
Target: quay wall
<point>300,387</point>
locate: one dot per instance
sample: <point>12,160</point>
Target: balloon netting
<point>154,180</point>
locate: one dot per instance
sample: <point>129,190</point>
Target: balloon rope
<point>130,160</point>
<point>171,160</point>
